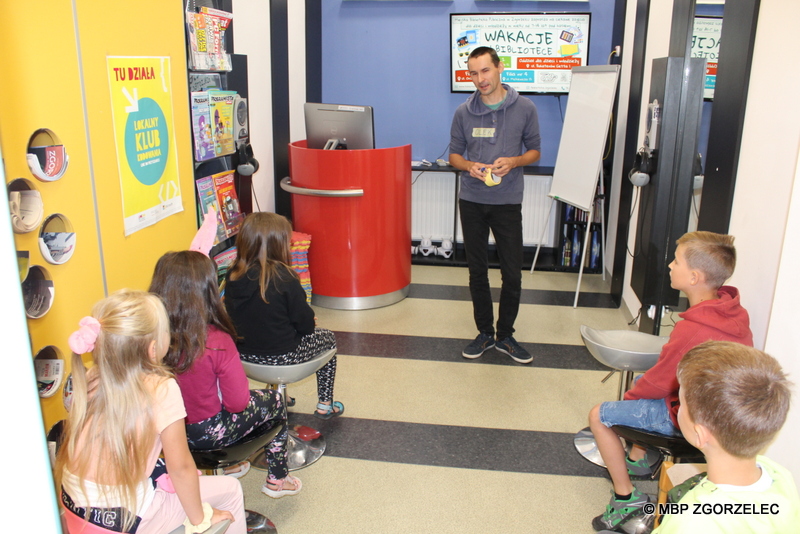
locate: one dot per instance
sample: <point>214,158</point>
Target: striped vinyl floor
<point>432,442</point>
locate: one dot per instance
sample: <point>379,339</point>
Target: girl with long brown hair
<point>267,304</point>
<point>221,408</point>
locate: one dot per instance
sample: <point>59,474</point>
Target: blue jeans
<point>505,222</point>
<point>645,414</point>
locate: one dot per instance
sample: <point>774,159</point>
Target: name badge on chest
<point>483,132</point>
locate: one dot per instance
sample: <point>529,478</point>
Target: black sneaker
<point>510,346</point>
<point>617,512</point>
<point>481,344</point>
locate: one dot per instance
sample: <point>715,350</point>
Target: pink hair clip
<point>83,339</point>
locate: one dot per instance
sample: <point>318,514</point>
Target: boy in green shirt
<point>733,402</point>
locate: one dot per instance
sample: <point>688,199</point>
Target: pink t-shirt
<point>167,408</point>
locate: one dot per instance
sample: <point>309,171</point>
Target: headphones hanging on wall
<point>643,164</point>
<point>248,165</point>
<point>27,210</point>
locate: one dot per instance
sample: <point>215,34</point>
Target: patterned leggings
<point>265,408</point>
<point>310,345</point>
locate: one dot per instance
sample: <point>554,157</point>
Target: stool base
<point>587,447</point>
<point>304,447</point>
<point>259,524</point>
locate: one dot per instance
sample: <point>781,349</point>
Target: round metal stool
<point>304,445</point>
<point>626,352</point>
<point>217,459</point>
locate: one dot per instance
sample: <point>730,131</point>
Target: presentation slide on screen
<point>705,44</point>
<point>537,50</point>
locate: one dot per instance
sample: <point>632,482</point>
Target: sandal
<point>289,401</point>
<point>237,470</point>
<point>278,490</point>
<point>330,410</point>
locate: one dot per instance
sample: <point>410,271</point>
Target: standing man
<point>494,134</point>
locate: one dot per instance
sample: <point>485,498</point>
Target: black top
<point>272,327</point>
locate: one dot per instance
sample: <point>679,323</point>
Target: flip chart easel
<point>580,152</point>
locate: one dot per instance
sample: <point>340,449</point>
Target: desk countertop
<point>531,169</point>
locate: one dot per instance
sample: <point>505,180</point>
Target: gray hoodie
<point>481,134</point>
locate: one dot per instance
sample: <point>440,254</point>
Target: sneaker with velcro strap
<point>617,511</point>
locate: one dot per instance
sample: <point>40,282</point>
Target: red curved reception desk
<point>356,204</point>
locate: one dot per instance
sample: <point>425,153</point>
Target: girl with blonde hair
<point>126,410</point>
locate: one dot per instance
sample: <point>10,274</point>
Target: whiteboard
<point>583,137</point>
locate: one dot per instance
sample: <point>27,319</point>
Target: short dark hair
<point>739,393</point>
<point>712,254</point>
<point>481,50</point>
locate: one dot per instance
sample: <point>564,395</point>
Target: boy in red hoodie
<point>703,262</point>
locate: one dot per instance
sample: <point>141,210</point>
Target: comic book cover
<point>207,195</point>
<point>224,260</point>
<point>221,109</point>
<point>228,202</point>
<point>201,127</point>
<point>207,40</point>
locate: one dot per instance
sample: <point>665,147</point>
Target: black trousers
<point>505,222</point>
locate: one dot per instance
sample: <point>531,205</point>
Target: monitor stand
<point>335,144</point>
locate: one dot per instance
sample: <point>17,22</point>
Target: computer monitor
<point>336,126</point>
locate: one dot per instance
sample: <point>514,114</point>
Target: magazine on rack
<point>201,127</point>
<point>221,111</point>
<point>228,202</point>
<point>207,39</point>
<point>207,199</point>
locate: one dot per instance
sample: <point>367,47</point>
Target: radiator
<point>433,201</point>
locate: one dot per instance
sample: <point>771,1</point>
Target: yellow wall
<point>47,68</point>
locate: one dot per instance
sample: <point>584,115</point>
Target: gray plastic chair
<point>626,352</point>
<point>304,445</point>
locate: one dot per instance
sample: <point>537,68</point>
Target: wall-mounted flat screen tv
<point>538,50</point>
<point>705,44</point>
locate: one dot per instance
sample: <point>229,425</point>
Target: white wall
<point>766,213</point>
<point>783,337</point>
<point>766,168</point>
<point>252,37</point>
<point>31,500</point>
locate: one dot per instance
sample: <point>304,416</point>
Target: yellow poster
<point>144,131</point>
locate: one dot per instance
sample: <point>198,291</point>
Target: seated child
<point>734,401</point>
<point>221,409</point>
<point>703,261</point>
<point>267,304</point>
<point>127,410</point>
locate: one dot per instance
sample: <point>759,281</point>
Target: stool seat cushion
<point>674,446</point>
<point>623,350</point>
<point>237,452</point>
<point>287,374</point>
